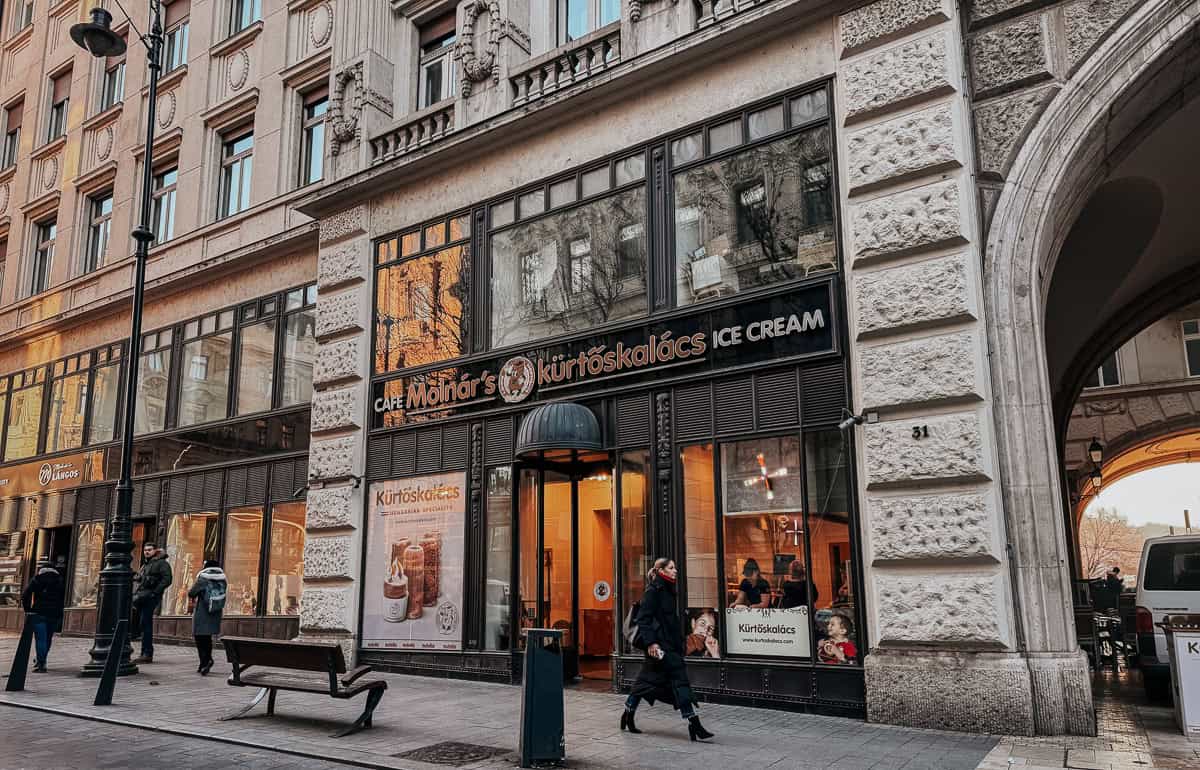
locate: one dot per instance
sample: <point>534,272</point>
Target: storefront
<point>220,464</point>
<point>642,358</point>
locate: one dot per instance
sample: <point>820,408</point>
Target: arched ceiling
<point>1137,230</point>
<point>1166,450</point>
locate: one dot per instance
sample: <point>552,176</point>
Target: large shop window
<point>206,363</point>
<point>498,591</point>
<point>24,415</point>
<point>89,559</point>
<point>68,403</point>
<point>299,346</point>
<point>192,539</point>
<point>571,270</point>
<point>420,290</point>
<point>754,219</point>
<point>635,529</point>
<point>154,376</point>
<point>243,544</point>
<point>285,560</point>
<point>105,393</point>
<point>779,581</point>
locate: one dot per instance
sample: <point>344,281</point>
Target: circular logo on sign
<point>517,378</point>
<point>447,618</point>
<point>602,591</point>
<point>44,474</point>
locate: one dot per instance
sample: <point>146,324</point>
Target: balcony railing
<point>564,67</point>
<point>417,131</point>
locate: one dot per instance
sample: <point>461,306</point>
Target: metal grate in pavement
<point>452,753</point>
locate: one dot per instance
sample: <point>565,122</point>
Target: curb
<point>344,760</point>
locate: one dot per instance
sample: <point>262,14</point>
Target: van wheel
<point>1158,688</point>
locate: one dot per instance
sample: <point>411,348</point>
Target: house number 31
<point>920,431</point>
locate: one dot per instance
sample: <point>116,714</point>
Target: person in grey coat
<point>209,591</point>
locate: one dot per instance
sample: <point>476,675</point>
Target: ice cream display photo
<point>415,547</point>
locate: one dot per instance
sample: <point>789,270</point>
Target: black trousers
<point>664,680</point>
<point>204,648</point>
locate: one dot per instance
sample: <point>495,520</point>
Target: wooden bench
<point>311,658</point>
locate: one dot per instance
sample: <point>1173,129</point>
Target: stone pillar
<point>947,647</point>
<point>335,521</point>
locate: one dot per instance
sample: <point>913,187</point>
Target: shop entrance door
<point>573,530</point>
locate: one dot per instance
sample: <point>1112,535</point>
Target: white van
<point>1168,584</point>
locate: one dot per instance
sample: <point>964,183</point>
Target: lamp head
<point>96,37</point>
<point>1096,452</point>
<point>1097,478</point>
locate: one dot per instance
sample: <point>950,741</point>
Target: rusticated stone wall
<point>1021,51</point>
<point>333,548</point>
<point>938,583</point>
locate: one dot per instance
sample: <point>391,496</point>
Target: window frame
<point>231,158</point>
<point>112,85</point>
<point>243,14</point>
<point>11,150</point>
<point>1189,337</point>
<point>99,231</point>
<point>224,322</point>
<point>161,191</point>
<point>310,121</point>
<point>428,56</point>
<point>11,384</point>
<point>174,52</point>
<point>595,19</point>
<point>58,112</point>
<point>1099,373</point>
<point>41,264</point>
<point>24,17</point>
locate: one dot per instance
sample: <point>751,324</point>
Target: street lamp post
<point>116,578</point>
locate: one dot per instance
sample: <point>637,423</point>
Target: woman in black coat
<point>660,633</point>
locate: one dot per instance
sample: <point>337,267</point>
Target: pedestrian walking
<point>152,581</point>
<point>660,634</point>
<point>208,591</point>
<point>43,597</point>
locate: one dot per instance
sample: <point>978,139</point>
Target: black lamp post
<point>116,579</point>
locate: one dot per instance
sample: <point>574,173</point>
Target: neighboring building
<point>599,281</point>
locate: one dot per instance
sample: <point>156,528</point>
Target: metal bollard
<point>543,728</point>
<point>108,680</point>
<point>20,664</point>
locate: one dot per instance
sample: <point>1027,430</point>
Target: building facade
<point>518,295</point>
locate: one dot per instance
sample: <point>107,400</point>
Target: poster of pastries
<point>414,577</point>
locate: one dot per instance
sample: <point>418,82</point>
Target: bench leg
<point>262,693</point>
<point>271,703</point>
<point>364,719</point>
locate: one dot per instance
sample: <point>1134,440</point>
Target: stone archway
<point>1066,156</point>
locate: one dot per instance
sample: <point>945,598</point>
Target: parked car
<point>1168,584</point>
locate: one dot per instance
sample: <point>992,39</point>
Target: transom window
<point>577,18</point>
<point>237,161</point>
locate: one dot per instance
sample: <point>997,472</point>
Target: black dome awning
<point>558,425</point>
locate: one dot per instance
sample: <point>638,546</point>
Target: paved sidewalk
<point>418,712</point>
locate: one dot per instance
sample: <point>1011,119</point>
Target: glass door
<point>595,598</point>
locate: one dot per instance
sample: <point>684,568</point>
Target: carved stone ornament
<point>635,9</point>
<point>478,66</point>
<point>344,110</point>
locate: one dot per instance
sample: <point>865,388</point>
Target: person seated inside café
<point>798,588</point>
<point>753,591</point>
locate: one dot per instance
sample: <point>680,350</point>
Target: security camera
<point>850,422</point>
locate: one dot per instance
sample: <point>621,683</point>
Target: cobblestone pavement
<point>168,696</point>
<point>1132,734</point>
<point>39,741</point>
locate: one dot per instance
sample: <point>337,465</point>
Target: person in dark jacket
<point>798,588</point>
<point>660,633</point>
<point>43,597</point>
<point>152,582</point>
<point>209,591</point>
<point>753,591</point>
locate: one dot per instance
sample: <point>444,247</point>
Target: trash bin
<point>542,721</point>
<point>1183,645</point>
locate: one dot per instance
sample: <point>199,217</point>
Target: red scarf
<point>666,577</point>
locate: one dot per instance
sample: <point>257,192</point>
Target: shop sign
<point>799,323</point>
<point>64,472</point>
<point>768,632</point>
<point>415,554</point>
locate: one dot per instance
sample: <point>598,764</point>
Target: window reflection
<point>497,591</point>
<point>635,529</point>
<point>256,368</point>
<point>24,422</point>
<point>243,543</point>
<point>68,404</point>
<point>286,564</point>
<point>106,388</point>
<point>700,527</point>
<point>192,538</point>
<point>833,568</point>
<point>299,353</point>
<point>570,271</point>
<point>754,219</point>
<point>154,372</point>
<point>204,381</point>
<point>89,552</point>
<point>419,309</point>
<point>527,510</point>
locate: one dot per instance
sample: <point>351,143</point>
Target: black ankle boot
<point>696,730</point>
<point>627,722</point>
